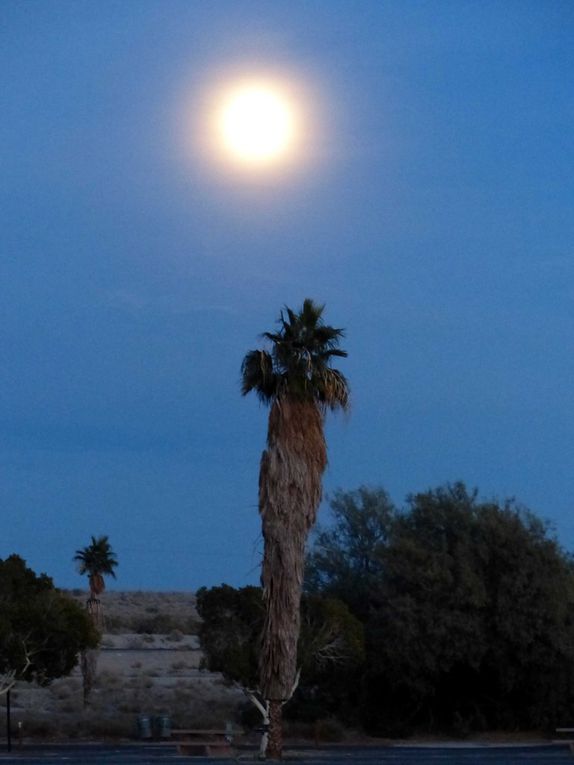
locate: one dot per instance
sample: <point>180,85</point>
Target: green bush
<point>329,730</point>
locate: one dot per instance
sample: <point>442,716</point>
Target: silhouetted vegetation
<point>467,607</point>
<point>42,630</point>
<point>97,560</point>
<point>330,649</point>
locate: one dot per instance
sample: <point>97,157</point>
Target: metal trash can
<point>144,726</point>
<point>163,726</point>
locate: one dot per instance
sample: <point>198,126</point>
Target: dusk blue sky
<point>432,214</point>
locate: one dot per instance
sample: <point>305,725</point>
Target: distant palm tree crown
<point>298,365</point>
<point>97,560</point>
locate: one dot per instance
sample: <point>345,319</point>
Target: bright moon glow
<point>257,124</point>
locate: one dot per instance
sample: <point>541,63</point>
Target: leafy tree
<point>42,631</point>
<point>331,657</point>
<point>345,560</point>
<point>230,631</point>
<point>470,620</point>
<point>96,560</point>
<point>230,634</point>
<point>330,635</point>
<point>296,380</point>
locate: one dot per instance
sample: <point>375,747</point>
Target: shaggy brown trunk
<point>97,585</point>
<point>275,740</point>
<point>289,495</point>
<point>89,658</point>
<point>88,663</point>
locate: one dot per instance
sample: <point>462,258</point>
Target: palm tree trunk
<point>89,657</point>
<point>275,736</point>
<point>289,495</point>
<point>89,663</point>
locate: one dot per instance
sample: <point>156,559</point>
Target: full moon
<point>256,124</point>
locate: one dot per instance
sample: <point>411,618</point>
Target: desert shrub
<point>152,622</point>
<point>249,717</point>
<point>297,729</point>
<point>154,625</point>
<point>38,728</point>
<point>118,727</point>
<point>128,707</point>
<point>107,679</point>
<point>329,730</point>
<point>215,716</point>
<point>115,624</point>
<point>62,694</point>
<point>63,689</point>
<point>69,707</point>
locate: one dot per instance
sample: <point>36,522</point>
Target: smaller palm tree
<point>96,560</point>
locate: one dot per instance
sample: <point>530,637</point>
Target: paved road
<point>81,754</point>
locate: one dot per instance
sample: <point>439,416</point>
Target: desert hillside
<point>149,663</point>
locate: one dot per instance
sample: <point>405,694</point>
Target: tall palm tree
<point>296,380</point>
<point>96,560</point>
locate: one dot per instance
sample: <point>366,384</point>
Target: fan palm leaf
<point>96,560</point>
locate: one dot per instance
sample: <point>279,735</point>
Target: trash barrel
<point>163,726</point>
<point>144,726</point>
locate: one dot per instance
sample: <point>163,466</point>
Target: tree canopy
<point>97,560</point>
<point>298,364</point>
<point>470,611</point>
<point>345,559</point>
<point>230,631</point>
<point>230,636</point>
<point>42,631</point>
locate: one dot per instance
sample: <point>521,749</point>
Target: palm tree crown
<point>97,560</point>
<point>299,362</point>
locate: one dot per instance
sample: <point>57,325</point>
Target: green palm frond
<point>311,313</point>
<point>298,363</point>
<point>257,374</point>
<point>334,389</point>
<point>97,558</point>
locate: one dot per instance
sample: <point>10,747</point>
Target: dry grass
<point>167,613</point>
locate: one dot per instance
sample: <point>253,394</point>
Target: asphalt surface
<point>80,754</point>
